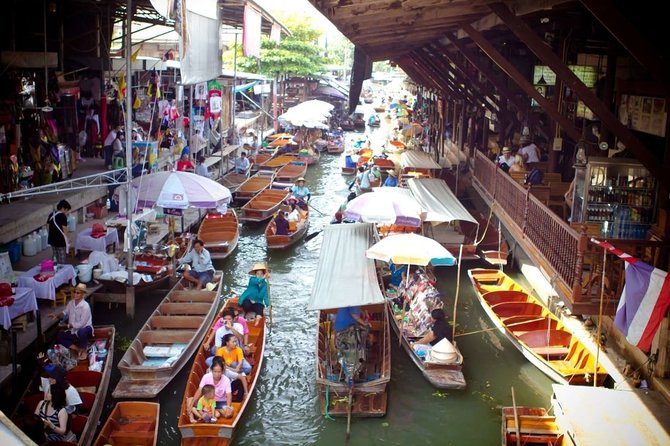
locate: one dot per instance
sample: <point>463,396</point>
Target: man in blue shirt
<point>202,270</point>
<point>391,179</point>
<point>242,163</point>
<point>347,317</point>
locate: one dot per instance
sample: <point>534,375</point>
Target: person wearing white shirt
<point>242,163</point>
<point>79,323</point>
<point>506,159</point>
<point>530,154</point>
<point>202,270</point>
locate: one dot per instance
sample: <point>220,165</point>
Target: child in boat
<point>205,409</point>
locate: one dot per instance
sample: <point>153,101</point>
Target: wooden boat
<point>291,172</point>
<point>441,375</point>
<point>260,158</point>
<point>159,280</point>
<point>374,121</point>
<point>380,109</point>
<point>276,163</point>
<point>254,185</point>
<point>220,433</point>
<point>263,205</point>
<point>131,423</point>
<point>309,156</point>
<point>275,241</point>
<point>347,124</point>
<point>534,426</point>
<point>220,233</point>
<point>92,387</point>
<point>334,146</point>
<point>233,180</point>
<point>369,394</point>
<point>535,331</point>
<point>167,340</point>
<point>353,367</point>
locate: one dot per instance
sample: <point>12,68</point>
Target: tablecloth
<point>85,241</point>
<point>24,301</point>
<point>147,215</point>
<point>47,289</point>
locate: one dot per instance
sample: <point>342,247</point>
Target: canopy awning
<point>596,416</point>
<point>245,87</point>
<point>418,160</point>
<point>438,201</point>
<point>345,277</point>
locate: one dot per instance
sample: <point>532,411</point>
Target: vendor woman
<point>255,297</point>
<point>440,330</point>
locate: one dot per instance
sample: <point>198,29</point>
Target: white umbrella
<point>384,208</point>
<point>410,249</point>
<point>310,114</point>
<point>179,190</point>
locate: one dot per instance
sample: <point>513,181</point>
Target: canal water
<point>284,409</point>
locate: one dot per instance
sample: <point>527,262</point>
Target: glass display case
<point>617,193</point>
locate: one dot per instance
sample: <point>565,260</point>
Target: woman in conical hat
<point>255,298</point>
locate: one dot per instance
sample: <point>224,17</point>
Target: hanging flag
<point>136,54</point>
<point>251,34</point>
<point>122,87</point>
<point>644,300</point>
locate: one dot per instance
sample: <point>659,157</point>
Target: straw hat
<point>81,287</point>
<point>392,173</point>
<point>506,150</point>
<point>300,179</point>
<point>258,266</point>
<point>443,351</point>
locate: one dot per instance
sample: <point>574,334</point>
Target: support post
<point>130,205</point>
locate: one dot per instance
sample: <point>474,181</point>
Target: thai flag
<point>644,300</point>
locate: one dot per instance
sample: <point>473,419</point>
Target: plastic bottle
<point>55,259</point>
<point>44,236</point>
<point>38,241</point>
<point>108,204</point>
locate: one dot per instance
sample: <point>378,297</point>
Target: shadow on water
<point>284,409</point>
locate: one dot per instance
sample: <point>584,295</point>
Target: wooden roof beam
<point>547,56</point>
<point>444,78</point>
<point>440,58</point>
<point>521,81</point>
<point>408,66</point>
<point>630,39</point>
<point>427,75</point>
<point>497,83</point>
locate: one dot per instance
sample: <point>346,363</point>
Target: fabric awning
<point>345,277</point>
<point>245,87</point>
<point>596,416</point>
<point>418,160</point>
<point>438,201</point>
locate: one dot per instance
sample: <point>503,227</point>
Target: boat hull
<point>263,206</point>
<point>131,422</point>
<point>179,322</point>
<point>220,234</point>
<point>292,171</point>
<point>369,397</point>
<point>274,241</point>
<point>254,185</point>
<point>220,433</point>
<point>536,332</point>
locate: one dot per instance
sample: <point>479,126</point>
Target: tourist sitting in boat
<point>391,179</point>
<point>185,164</point>
<point>236,366</point>
<point>238,318</point>
<point>255,297</point>
<point>439,330</point>
<point>205,409</point>
<point>242,163</point>
<point>223,394</point>
<point>55,374</point>
<point>228,327</point>
<point>79,323</point>
<point>301,192</point>
<point>202,270</point>
<point>281,224</point>
<point>54,415</point>
<point>294,218</point>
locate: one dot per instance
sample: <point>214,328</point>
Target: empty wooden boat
<point>91,385</point>
<point>535,331</point>
<point>263,205</point>
<point>233,180</point>
<point>167,340</point>
<point>276,163</point>
<point>529,425</point>
<point>220,433</point>
<point>260,158</point>
<point>220,233</point>
<point>131,423</point>
<point>309,156</point>
<point>353,366</point>
<point>255,184</point>
<point>291,172</point>
<point>296,232</point>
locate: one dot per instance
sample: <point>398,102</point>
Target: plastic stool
<point>119,162</point>
<point>62,296</point>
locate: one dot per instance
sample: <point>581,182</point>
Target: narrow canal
<point>284,409</point>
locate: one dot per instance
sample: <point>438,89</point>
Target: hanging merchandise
<point>215,99</point>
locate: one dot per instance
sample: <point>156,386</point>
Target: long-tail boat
<point>255,184</point>
<point>220,433</point>
<point>220,233</point>
<point>263,205</point>
<point>529,425</point>
<point>167,340</point>
<point>296,232</point>
<point>277,162</point>
<point>535,331</point>
<point>291,171</point>
<point>131,423</point>
<point>91,385</point>
<point>233,180</point>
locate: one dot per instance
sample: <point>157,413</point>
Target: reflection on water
<point>284,409</point>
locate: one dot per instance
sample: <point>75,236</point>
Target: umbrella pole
<point>458,285</point>
<point>401,333</point>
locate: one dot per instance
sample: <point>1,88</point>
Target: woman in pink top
<point>222,391</point>
<point>239,318</point>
